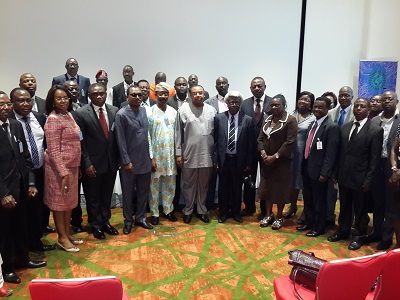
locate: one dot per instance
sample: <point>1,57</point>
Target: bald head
<point>345,97</point>
<point>160,77</point>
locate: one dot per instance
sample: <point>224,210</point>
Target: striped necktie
<point>231,136</point>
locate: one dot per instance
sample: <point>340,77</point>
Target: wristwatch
<point>394,169</point>
<point>277,155</point>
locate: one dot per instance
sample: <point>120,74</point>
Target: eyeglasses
<point>136,95</point>
<point>234,103</point>
<point>59,99</point>
<point>9,104</point>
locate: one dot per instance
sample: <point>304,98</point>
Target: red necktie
<point>103,122</point>
<point>309,140</point>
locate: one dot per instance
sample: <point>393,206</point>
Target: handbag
<point>305,269</point>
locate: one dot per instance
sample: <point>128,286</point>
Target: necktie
<point>5,127</point>
<point>31,138</point>
<point>73,79</point>
<point>341,118</point>
<point>355,131</point>
<point>258,111</point>
<point>309,140</point>
<point>103,122</point>
<point>231,136</point>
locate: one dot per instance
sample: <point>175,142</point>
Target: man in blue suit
<point>72,67</point>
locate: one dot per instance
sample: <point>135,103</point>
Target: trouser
<point>332,194</point>
<point>210,199</point>
<point>249,193</point>
<point>142,183</point>
<point>35,215</point>
<point>165,185</point>
<point>76,216</point>
<point>195,187</point>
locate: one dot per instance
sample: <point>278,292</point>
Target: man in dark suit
<point>193,80</point>
<point>28,82</point>
<point>389,120</point>
<point>99,158</point>
<point>33,126</point>
<point>182,94</point>
<point>17,183</point>
<point>119,91</point>
<point>233,155</point>
<point>360,151</point>
<point>320,156</point>
<point>144,86</point>
<point>256,107</point>
<point>218,102</point>
<point>72,67</point>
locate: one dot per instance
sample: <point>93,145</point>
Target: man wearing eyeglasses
<point>72,66</point>
<point>132,128</point>
<point>99,159</point>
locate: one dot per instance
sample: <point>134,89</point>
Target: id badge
<point>166,122</point>
<point>269,129</point>
<point>319,145</point>
<point>21,147</point>
<point>80,135</point>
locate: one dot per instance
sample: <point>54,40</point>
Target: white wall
<point>233,38</point>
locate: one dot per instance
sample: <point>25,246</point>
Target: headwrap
<point>101,72</point>
<point>162,86</point>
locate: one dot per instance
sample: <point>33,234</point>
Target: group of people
<point>165,141</point>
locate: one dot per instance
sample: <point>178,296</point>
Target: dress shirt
<point>126,86</point>
<point>9,129</point>
<point>236,130</point>
<point>146,103</point>
<point>38,134</point>
<point>362,123</point>
<point>34,104</point>
<point>261,103</point>
<point>179,101</point>
<point>319,122</point>
<point>97,110</point>
<point>222,107</point>
<point>386,124</point>
<point>109,99</point>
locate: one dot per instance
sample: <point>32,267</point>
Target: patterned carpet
<point>203,261</point>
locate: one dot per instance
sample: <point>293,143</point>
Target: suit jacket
<point>41,105</point>
<point>322,162</point>
<point>244,140</point>
<point>359,160</point>
<point>119,94</point>
<point>334,114</point>
<point>15,165</point>
<point>125,103</point>
<point>83,83</point>
<point>213,101</point>
<point>97,150</point>
<point>174,103</point>
<point>248,108</point>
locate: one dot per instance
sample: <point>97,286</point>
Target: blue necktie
<point>34,150</point>
<point>341,118</point>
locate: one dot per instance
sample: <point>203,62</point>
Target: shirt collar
<point>362,122</point>
<point>96,108</point>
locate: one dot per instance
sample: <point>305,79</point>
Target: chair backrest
<point>349,278</point>
<point>91,288</point>
<point>389,283</point>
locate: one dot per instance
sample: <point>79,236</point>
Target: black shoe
<point>204,218</point>
<point>301,222</point>
<point>312,234</point>
<point>31,264</point>
<point>187,218</point>
<point>171,217</point>
<point>43,248</point>
<point>354,245</point>
<point>77,229</point>
<point>245,212</point>
<point>222,219</point>
<point>127,229</point>
<point>303,228</point>
<point>144,225</point>
<point>384,245</point>
<point>110,229</point>
<point>154,220</point>
<point>11,278</point>
<point>98,234</point>
<point>335,238</point>
<point>370,239</point>
<point>291,212</point>
<point>238,218</point>
<point>49,229</point>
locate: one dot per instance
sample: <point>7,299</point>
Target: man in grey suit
<point>119,91</point>
<point>99,158</point>
<point>131,124</point>
<point>233,155</point>
<point>256,107</point>
<point>28,82</point>
<point>359,156</point>
<point>72,67</point>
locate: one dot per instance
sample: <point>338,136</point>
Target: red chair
<point>389,280</point>
<point>91,288</point>
<point>337,280</point>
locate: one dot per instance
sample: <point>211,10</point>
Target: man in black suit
<point>320,156</point>
<point>182,94</point>
<point>234,135</point>
<point>17,183</point>
<point>256,107</point>
<point>33,126</point>
<point>28,82</point>
<point>99,158</point>
<point>119,91</point>
<point>361,146</point>
<point>144,86</point>
<point>389,120</point>
<point>72,67</point>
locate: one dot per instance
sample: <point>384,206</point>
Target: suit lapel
<point>224,124</point>
<point>95,119</point>
<point>319,132</point>
<point>4,139</point>
<point>110,117</point>
<point>239,125</point>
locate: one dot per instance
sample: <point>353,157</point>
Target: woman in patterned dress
<point>62,161</point>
